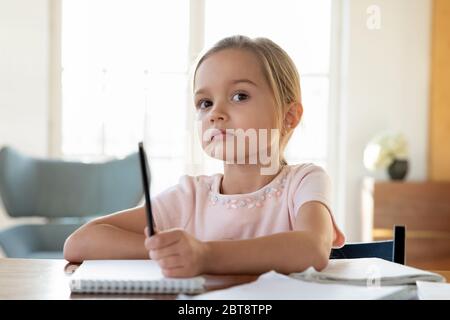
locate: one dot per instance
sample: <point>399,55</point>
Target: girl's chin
<point>217,150</point>
<point>217,153</point>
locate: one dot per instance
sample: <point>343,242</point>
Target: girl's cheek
<point>201,130</point>
<point>200,115</point>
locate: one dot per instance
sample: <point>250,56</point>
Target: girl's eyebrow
<point>243,80</point>
<point>203,90</point>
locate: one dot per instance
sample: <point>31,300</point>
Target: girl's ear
<point>293,115</point>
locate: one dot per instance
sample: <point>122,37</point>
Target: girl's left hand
<point>178,253</point>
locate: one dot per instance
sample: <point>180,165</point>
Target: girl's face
<point>231,92</point>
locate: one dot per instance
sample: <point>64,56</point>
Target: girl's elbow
<point>72,250</point>
<point>322,254</point>
<point>321,261</point>
<point>317,253</point>
<point>69,251</point>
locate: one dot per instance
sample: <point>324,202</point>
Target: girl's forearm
<point>104,241</point>
<point>284,252</point>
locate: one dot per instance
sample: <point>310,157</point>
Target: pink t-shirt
<point>196,205</point>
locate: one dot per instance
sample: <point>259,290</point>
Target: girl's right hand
<point>178,253</point>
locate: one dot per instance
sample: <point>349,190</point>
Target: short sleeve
<point>173,207</point>
<point>312,183</point>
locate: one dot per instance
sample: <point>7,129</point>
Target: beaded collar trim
<point>251,200</point>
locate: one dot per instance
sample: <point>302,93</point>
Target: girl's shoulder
<point>307,175</point>
<point>298,171</point>
<point>198,182</point>
<point>187,189</point>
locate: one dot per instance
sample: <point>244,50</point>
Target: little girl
<point>244,221</point>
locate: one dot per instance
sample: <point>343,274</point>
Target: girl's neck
<point>244,178</point>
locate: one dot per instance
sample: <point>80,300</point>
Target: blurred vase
<point>398,169</point>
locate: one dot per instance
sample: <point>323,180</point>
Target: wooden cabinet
<point>423,207</point>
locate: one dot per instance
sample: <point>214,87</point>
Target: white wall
<point>24,56</point>
<point>384,85</point>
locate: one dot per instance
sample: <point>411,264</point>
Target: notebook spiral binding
<point>124,286</point>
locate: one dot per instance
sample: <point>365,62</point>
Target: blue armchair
<point>66,193</point>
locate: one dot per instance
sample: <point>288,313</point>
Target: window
<point>125,81</point>
<point>126,71</point>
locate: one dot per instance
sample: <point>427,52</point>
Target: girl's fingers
<point>179,272</point>
<point>170,262</point>
<point>147,243</point>
<point>164,239</point>
<point>165,252</point>
<point>174,272</point>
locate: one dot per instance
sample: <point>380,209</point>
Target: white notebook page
<point>276,286</point>
<point>128,274</point>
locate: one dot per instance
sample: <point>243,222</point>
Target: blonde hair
<point>278,69</point>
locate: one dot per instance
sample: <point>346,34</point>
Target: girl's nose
<point>216,117</point>
<point>218,113</point>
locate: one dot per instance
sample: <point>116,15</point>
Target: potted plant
<point>388,151</point>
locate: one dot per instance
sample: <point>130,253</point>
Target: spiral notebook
<point>129,277</point>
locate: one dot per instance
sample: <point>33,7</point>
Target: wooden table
<point>49,279</point>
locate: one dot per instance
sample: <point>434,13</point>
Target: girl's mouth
<point>219,134</point>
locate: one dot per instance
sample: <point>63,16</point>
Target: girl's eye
<point>238,97</point>
<point>203,104</point>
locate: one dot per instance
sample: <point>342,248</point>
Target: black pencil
<point>145,172</point>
